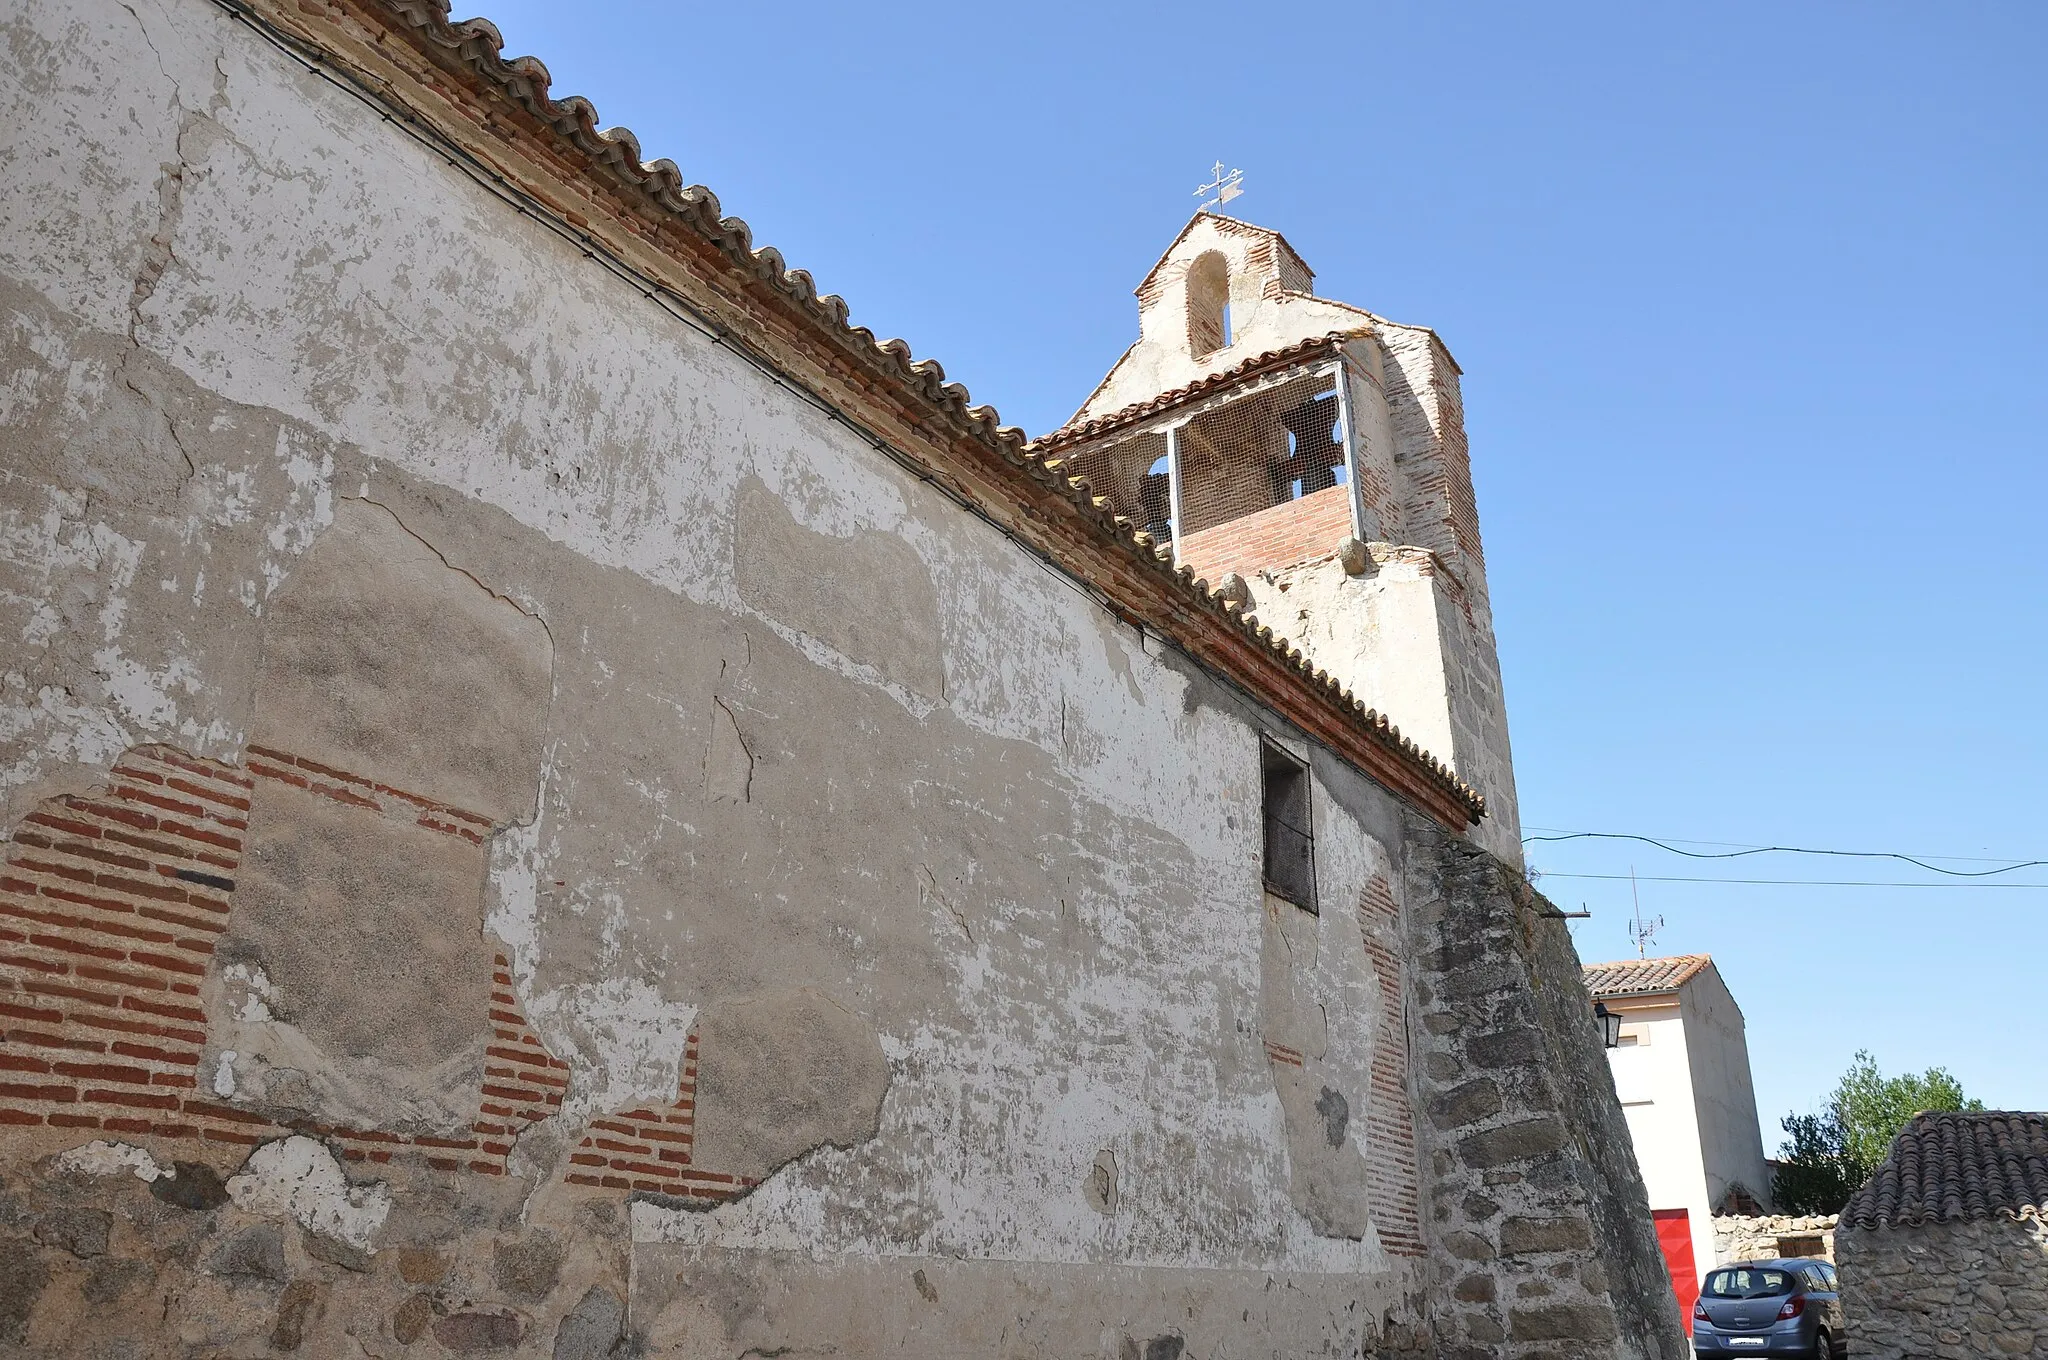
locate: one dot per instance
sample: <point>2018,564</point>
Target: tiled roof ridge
<point>526,79</point>
<point>1073,432</point>
<point>479,45</point>
<point>1655,958</point>
<point>1948,1166</point>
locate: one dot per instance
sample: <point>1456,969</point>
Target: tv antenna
<point>1224,187</point>
<point>1644,933</point>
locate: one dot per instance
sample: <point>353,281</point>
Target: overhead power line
<point>1542,874</point>
<point>1746,845</point>
<point>1747,851</point>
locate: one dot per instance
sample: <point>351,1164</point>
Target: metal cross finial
<point>1224,187</point>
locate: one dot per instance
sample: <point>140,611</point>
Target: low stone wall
<point>1543,1241</point>
<point>1946,1291</point>
<point>1759,1237</point>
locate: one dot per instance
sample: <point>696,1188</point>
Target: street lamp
<point>1610,1025</point>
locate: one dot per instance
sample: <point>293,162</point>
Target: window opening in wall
<point>1208,304</point>
<point>1290,848</point>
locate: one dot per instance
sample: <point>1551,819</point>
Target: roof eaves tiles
<point>1080,431</point>
<point>1955,1166</point>
<point>1141,586</point>
<point>1644,977</point>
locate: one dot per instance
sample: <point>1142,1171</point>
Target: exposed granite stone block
<point>1466,1104</point>
<point>1513,1142</point>
<point>255,1253</point>
<point>1562,1322</point>
<point>1505,1048</point>
<point>82,1232</point>
<point>1523,1235</point>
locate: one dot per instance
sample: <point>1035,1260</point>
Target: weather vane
<point>1224,187</point>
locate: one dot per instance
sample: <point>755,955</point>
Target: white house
<point>1681,1070</point>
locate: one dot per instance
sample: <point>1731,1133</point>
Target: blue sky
<point>1750,304</point>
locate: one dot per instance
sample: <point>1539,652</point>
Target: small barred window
<point>1290,847</point>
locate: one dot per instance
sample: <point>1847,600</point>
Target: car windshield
<point>1748,1282</point>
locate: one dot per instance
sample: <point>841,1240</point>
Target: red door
<point>1674,1235</point>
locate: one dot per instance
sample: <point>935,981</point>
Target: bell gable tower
<point>1309,457</point>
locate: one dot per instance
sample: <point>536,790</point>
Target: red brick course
<point>109,910</point>
<point>650,1148</point>
<point>1393,1178</point>
<point>1281,536</point>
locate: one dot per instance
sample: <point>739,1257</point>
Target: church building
<point>557,798</point>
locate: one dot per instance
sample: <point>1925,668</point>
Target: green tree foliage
<point>1826,1156</point>
<point>1811,1175</point>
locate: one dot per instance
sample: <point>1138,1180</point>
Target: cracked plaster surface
<point>615,944</point>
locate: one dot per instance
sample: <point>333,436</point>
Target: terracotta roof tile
<point>1951,1166</point>
<point>1637,977</point>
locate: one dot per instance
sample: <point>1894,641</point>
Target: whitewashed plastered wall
<point>243,299</point>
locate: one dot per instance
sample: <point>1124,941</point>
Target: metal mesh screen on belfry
<point>1131,471</point>
<point>1264,449</point>
<point>1266,441</point>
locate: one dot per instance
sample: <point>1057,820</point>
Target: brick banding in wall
<point>650,1148</point>
<point>110,908</point>
<point>354,790</point>
<point>1393,1173</point>
<point>1282,1053</point>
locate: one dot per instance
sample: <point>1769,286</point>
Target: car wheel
<point>1823,1349</point>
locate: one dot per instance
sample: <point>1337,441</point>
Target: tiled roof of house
<point>1038,505</point>
<point>1635,977</point>
<point>1948,1165</point>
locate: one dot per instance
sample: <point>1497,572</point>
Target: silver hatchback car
<point>1785,1307</point>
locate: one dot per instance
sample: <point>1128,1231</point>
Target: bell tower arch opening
<point>1208,304</point>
